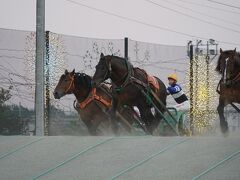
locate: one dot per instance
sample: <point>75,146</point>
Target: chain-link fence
<point>17,68</point>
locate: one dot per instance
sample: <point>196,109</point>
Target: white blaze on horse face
<point>225,70</point>
<point>110,66</point>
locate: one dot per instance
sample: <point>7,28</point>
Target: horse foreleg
<point>223,122</point>
<point>91,128</point>
<point>113,116</point>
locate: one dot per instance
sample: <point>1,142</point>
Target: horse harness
<point>126,76</point>
<point>91,97</point>
<point>94,96</point>
<point>233,82</point>
<point>130,79</point>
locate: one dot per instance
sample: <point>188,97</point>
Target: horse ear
<point>235,50</point>
<point>66,71</point>
<point>102,55</point>
<point>73,72</point>
<point>221,50</point>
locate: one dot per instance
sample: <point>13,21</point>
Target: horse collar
<point>93,96</point>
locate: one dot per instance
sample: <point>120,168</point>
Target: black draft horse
<point>229,86</point>
<point>126,90</point>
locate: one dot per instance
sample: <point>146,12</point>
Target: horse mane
<point>118,57</point>
<point>84,79</point>
<point>108,56</point>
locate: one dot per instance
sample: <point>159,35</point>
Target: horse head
<point>65,84</point>
<point>103,70</point>
<point>228,64</point>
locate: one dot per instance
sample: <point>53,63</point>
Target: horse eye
<point>65,80</point>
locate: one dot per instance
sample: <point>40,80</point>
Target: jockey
<point>176,91</point>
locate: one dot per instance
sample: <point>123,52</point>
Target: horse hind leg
<point>148,118</point>
<point>223,122</point>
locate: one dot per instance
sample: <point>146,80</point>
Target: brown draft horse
<point>93,103</point>
<point>229,67</point>
<point>127,91</point>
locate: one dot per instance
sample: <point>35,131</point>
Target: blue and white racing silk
<point>176,91</point>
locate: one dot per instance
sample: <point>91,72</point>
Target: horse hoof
<point>226,134</point>
<point>225,131</point>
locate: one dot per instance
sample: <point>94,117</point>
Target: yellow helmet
<point>173,76</point>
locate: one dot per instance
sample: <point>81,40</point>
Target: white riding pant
<point>184,107</point>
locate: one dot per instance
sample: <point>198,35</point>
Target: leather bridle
<point>71,85</point>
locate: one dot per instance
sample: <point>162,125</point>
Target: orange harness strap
<point>93,96</point>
